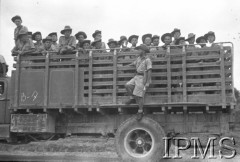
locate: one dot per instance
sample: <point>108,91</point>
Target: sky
<point>126,17</point>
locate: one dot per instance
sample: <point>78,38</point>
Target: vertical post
<point>223,85</point>
<point>46,85</point>
<point>114,77</point>
<point>17,80</point>
<point>76,82</point>
<point>184,73</point>
<point>90,68</point>
<point>169,79</point>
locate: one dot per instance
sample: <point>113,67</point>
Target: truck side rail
<point>199,76</point>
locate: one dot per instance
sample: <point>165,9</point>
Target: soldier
<point>80,36</point>
<point>29,35</point>
<point>97,35</point>
<point>18,22</point>
<point>137,86</point>
<point>48,45</point>
<point>24,45</point>
<point>191,40</point>
<point>55,45</point>
<point>67,43</point>
<point>167,40</point>
<point>176,33</point>
<point>37,36</point>
<point>112,44</point>
<point>202,40</point>
<point>210,37</point>
<point>155,43</point>
<point>123,42</point>
<point>133,39</point>
<point>147,40</point>
<point>180,41</point>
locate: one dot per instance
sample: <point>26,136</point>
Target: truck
<point>192,93</point>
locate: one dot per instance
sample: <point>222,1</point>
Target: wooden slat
<point>46,81</point>
<point>114,77</point>
<point>184,72</point>
<point>90,79</point>
<point>76,82</point>
<point>223,84</point>
<point>169,79</point>
<point>17,81</point>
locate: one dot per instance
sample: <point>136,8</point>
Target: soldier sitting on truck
<point>37,36</point>
<point>67,43</point>
<point>48,46</point>
<point>80,36</point>
<point>112,44</point>
<point>202,40</point>
<point>191,40</point>
<point>210,37</point>
<point>176,33</point>
<point>167,40</point>
<point>24,46</point>
<point>155,43</point>
<point>180,41</point>
<point>54,37</point>
<point>123,44</point>
<point>133,39</point>
<point>17,20</point>
<point>147,40</point>
<point>137,86</point>
<point>97,35</point>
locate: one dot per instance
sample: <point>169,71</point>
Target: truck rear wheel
<point>140,141</point>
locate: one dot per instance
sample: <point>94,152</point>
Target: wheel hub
<point>140,142</point>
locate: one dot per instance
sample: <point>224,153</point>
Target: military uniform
<point>142,65</point>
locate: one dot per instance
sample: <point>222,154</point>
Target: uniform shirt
<point>142,64</point>
<point>64,42</point>
<point>18,29</point>
<point>55,46</point>
<point>39,46</point>
<point>24,46</point>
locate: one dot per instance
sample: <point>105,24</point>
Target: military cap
<point>34,35</point>
<point>165,35</point>
<point>85,41</point>
<point>208,34</point>
<point>190,36</point>
<point>179,39</point>
<point>175,30</point>
<point>53,33</point>
<point>112,41</point>
<point>48,38</point>
<point>16,17</point>
<point>199,39</point>
<point>81,33</point>
<point>145,36</point>
<point>67,27</point>
<point>131,37</point>
<point>96,32</point>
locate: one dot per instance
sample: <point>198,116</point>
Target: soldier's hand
<point>147,85</point>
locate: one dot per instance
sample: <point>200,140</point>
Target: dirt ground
<point>95,147</point>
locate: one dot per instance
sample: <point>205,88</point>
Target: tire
<point>140,141</point>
